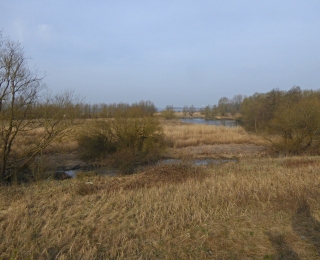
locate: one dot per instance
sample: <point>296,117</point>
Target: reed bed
<point>254,209</point>
<point>183,135</point>
<point>177,135</point>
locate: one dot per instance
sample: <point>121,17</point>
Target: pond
<point>224,122</point>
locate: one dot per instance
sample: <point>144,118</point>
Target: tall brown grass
<point>254,209</point>
<point>66,142</point>
<point>182,135</point>
<point>177,135</point>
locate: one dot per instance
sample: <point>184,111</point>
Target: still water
<point>225,122</point>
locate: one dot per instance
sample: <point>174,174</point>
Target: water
<point>99,170</point>
<point>111,171</point>
<point>224,122</point>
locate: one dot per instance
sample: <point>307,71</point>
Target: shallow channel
<point>112,172</point>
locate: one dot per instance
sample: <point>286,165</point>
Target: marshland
<point>262,206</point>
<point>260,201</point>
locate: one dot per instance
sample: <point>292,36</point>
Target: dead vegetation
<point>301,162</point>
<point>183,135</point>
<point>155,176</point>
<point>257,208</point>
<point>254,209</point>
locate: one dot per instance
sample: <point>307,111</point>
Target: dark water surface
<point>224,122</point>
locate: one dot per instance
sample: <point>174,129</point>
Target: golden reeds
<point>182,135</point>
<point>254,209</point>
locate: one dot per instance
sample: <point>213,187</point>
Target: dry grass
<point>177,135</point>
<point>183,135</point>
<point>255,209</point>
<point>63,144</point>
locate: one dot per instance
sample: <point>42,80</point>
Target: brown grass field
<point>179,135</point>
<point>257,208</point>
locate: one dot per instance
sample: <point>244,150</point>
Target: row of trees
<point>140,109</point>
<point>169,111</point>
<point>290,120</point>
<point>225,107</point>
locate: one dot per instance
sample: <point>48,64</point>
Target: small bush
<point>168,113</point>
<point>127,160</point>
<point>94,146</point>
<point>125,142</point>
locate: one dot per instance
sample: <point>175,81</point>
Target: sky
<point>169,52</point>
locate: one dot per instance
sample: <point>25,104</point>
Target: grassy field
<point>257,208</point>
<point>179,135</point>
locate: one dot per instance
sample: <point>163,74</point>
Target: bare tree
<point>192,110</point>
<point>189,109</point>
<point>20,92</point>
<point>224,106</point>
<point>185,110</point>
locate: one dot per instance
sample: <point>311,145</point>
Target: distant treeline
<point>85,110</point>
<point>225,107</point>
<point>261,110</point>
<point>290,120</point>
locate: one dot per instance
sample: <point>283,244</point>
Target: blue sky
<point>169,52</point>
